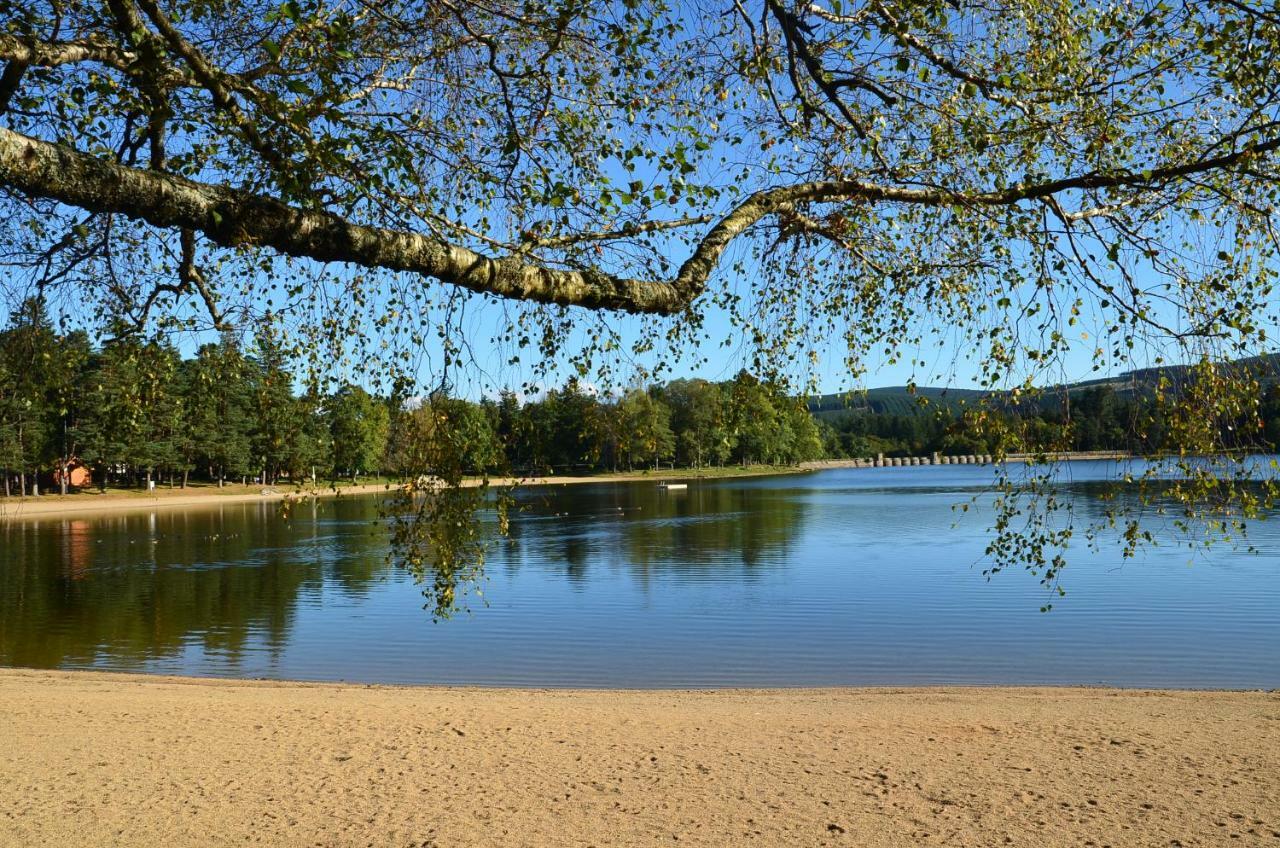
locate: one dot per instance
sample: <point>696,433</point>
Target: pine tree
<point>276,423</point>
<point>28,349</point>
<point>219,409</point>
<point>132,416</point>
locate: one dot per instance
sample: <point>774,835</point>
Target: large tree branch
<point>51,54</point>
<point>232,217</point>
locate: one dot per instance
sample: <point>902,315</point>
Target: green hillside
<point>890,400</point>
<point>899,400</point>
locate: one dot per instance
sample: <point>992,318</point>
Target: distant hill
<point>1139,380</point>
<point>890,400</point>
<point>898,400</point>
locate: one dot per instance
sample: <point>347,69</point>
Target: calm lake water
<point>837,577</point>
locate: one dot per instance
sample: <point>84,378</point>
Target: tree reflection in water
<point>142,586</point>
<point>685,535</point>
<point>138,587</point>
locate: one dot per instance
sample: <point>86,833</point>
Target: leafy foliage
<point>1013,181</point>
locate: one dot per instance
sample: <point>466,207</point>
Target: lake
<point>840,577</point>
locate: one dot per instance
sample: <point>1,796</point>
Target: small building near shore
<point>78,475</point>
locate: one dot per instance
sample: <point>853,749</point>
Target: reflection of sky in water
<point>842,577</point>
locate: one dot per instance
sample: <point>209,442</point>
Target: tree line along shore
<point>133,412</point>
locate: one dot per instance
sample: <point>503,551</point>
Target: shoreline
<point>117,676</point>
<point>130,759</point>
<point>92,504</point>
<point>89,503</point>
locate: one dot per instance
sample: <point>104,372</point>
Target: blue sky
<point>489,368</point>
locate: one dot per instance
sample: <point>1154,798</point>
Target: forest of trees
<point>135,411</point>
<point>1094,418</point>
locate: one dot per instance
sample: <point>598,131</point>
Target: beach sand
<point>105,759</point>
<point>89,503</point>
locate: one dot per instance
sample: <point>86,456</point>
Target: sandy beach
<point>89,503</point>
<point>107,759</point>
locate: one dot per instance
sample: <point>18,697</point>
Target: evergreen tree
<point>169,446</point>
<point>276,424</point>
<point>132,418</point>
<point>29,352</point>
<point>12,456</point>
<point>220,404</point>
<point>65,401</point>
<point>572,412</point>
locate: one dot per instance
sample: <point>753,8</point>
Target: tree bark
<point>232,217</point>
<point>55,53</point>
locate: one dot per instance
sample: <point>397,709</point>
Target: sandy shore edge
<point>10,673</point>
<point>105,758</point>
<point>88,505</point>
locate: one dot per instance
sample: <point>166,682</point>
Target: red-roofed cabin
<point>78,475</point>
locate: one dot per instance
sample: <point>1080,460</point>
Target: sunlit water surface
<point>862,576</point>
